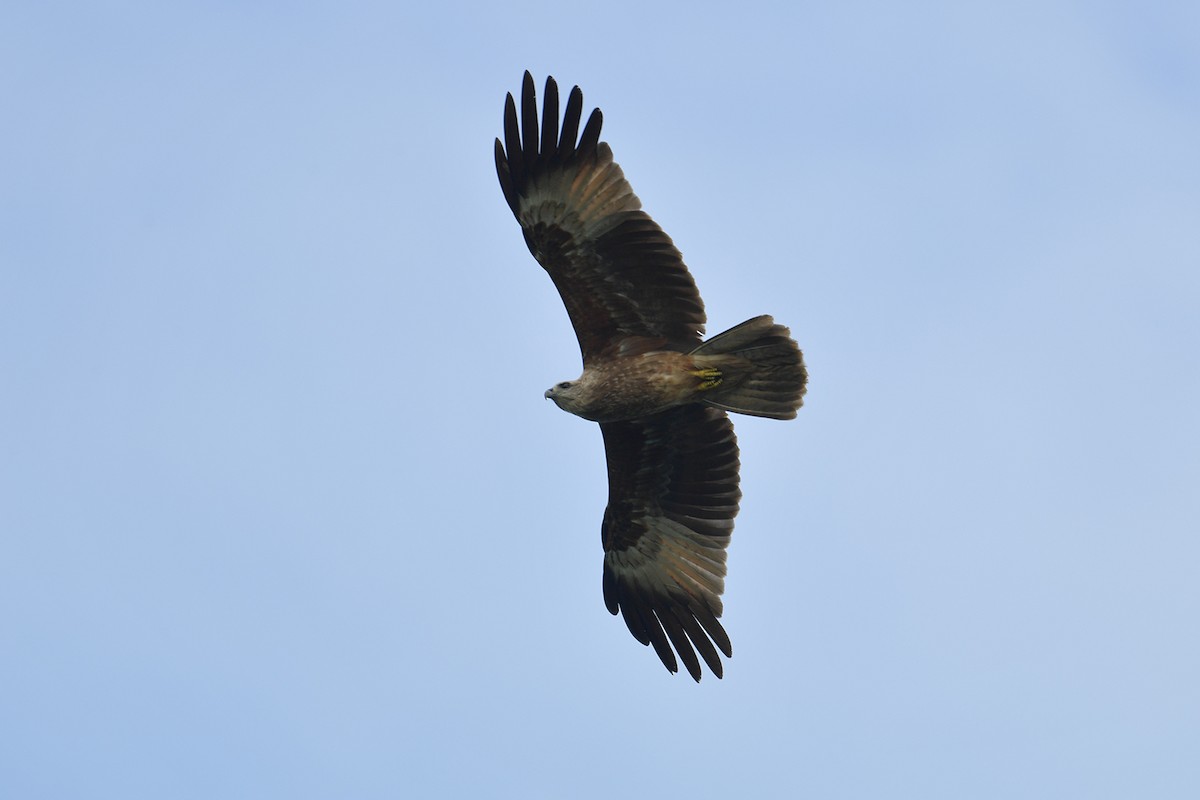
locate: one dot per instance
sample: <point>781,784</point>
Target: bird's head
<point>565,395</point>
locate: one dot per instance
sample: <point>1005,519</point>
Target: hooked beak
<point>549,393</point>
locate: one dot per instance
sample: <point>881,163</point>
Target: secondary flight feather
<point>659,391</point>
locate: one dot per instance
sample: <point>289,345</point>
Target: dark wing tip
<point>512,137</point>
<point>506,182</point>
<point>686,631</point>
<point>529,120</point>
<point>570,126</point>
<point>591,132</point>
<point>527,149</point>
<point>675,632</point>
<point>550,119</point>
<point>663,622</point>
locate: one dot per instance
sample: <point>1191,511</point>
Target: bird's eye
<point>563,385</point>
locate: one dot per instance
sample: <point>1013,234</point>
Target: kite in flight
<point>659,390</point>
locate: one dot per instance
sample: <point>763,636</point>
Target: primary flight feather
<point>659,391</point>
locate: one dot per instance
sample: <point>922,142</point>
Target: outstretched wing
<point>618,274</point>
<point>672,496</point>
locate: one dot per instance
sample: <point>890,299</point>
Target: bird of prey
<point>659,390</point>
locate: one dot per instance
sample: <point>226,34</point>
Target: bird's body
<point>659,390</point>
<point>628,387</point>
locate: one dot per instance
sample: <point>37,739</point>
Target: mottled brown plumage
<point>658,390</point>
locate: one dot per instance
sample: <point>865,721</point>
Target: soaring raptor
<point>659,390</point>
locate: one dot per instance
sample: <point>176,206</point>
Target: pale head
<point>567,396</point>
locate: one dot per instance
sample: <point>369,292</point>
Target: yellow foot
<point>710,378</point>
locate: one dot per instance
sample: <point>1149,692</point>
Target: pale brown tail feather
<point>762,367</point>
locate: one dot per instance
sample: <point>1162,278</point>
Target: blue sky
<point>283,512</point>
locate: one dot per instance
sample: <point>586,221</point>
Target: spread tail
<point>760,370</point>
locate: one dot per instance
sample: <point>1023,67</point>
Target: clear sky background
<point>283,512</point>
